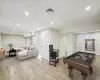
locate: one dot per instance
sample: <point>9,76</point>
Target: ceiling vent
<point>49,10</point>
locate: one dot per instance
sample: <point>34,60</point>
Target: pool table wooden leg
<point>84,77</point>
<point>63,61</point>
<point>70,72</point>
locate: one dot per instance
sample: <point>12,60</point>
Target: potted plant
<point>10,45</point>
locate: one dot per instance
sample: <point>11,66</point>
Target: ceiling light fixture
<point>33,33</point>
<point>28,34</point>
<point>52,23</point>
<point>88,8</point>
<point>27,13</point>
<point>18,25</point>
<point>25,35</point>
<point>38,28</point>
<point>98,30</point>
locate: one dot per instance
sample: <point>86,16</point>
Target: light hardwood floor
<point>36,69</point>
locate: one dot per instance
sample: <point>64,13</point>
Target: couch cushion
<point>22,53</point>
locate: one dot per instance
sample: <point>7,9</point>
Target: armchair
<point>53,56</point>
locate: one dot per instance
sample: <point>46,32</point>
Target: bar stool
<point>53,56</point>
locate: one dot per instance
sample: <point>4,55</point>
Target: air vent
<point>49,10</point>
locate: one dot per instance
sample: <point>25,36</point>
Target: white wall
<point>46,37</point>
<point>0,39</point>
<point>54,38</point>
<point>71,40</point>
<point>62,42</point>
<point>59,41</point>
<point>81,41</point>
<point>63,45</point>
<point>34,40</point>
<point>16,40</point>
<point>42,43</point>
<point>29,41</point>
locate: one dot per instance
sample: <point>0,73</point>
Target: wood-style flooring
<point>39,69</point>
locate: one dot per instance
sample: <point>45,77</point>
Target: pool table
<point>80,61</point>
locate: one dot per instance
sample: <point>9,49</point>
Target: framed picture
<point>90,44</point>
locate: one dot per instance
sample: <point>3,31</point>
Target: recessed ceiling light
<point>28,34</point>
<point>25,35</point>
<point>18,25</point>
<point>52,22</point>
<point>88,8</point>
<point>33,33</point>
<point>27,13</point>
<point>38,28</point>
<point>98,30</point>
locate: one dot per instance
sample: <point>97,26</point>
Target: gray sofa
<point>25,54</point>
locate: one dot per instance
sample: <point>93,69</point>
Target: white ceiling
<point>69,15</point>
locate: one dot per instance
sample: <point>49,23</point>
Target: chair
<point>53,56</point>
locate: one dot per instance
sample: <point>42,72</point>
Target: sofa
<point>25,54</point>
